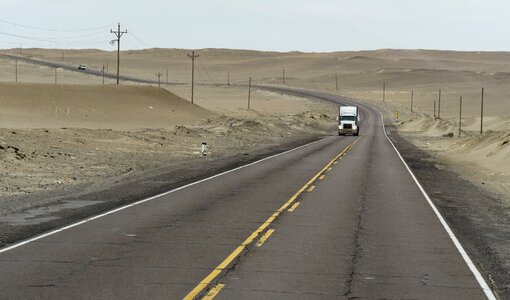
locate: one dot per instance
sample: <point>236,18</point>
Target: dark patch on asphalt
<point>479,219</point>
<point>357,253</point>
<point>116,192</point>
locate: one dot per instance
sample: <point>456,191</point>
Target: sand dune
<point>28,105</point>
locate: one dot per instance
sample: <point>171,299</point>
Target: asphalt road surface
<point>338,218</point>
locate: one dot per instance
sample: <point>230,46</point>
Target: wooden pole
<point>439,106</point>
<point>118,55</point>
<point>481,114</point>
<point>460,115</point>
<point>434,109</point>
<point>118,34</point>
<point>193,57</point>
<point>412,98</point>
<point>192,76</point>
<point>384,90</point>
<point>249,93</point>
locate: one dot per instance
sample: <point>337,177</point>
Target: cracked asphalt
<point>363,230</point>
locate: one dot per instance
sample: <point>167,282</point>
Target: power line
<point>206,72</point>
<point>55,30</point>
<point>102,32</point>
<point>139,40</point>
<point>135,46</point>
<point>53,40</point>
<point>25,37</point>
<point>94,41</point>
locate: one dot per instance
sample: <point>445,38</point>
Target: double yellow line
<point>217,271</point>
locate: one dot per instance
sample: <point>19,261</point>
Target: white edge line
<point>481,281</point>
<point>19,244</point>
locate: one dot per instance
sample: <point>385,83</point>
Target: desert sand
<point>478,157</point>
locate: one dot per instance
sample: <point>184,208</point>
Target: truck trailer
<point>348,120</point>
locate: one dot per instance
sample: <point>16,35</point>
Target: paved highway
<point>335,219</point>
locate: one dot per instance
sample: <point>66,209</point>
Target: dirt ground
<point>39,159</point>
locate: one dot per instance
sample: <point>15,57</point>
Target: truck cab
<point>348,120</point>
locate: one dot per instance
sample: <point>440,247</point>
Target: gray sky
<point>281,25</point>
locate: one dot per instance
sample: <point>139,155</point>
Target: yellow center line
<point>213,292</point>
<point>263,238</point>
<point>293,207</point>
<point>311,188</point>
<point>237,251</point>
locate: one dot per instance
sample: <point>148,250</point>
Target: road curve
<point>335,219</point>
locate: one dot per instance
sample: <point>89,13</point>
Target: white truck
<point>348,120</point>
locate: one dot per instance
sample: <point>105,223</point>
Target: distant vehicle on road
<point>82,67</point>
<point>348,120</point>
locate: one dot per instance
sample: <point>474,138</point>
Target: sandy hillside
<point>29,105</point>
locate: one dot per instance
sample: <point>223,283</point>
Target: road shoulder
<point>478,218</point>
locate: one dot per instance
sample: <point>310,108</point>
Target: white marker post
<point>204,149</point>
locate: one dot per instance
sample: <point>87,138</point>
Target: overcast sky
<point>281,25</point>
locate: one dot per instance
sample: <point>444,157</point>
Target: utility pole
<point>102,73</point>
<point>118,34</point>
<point>249,93</point>
<point>439,106</point>
<point>435,110</point>
<point>166,76</point>
<point>481,114</point>
<point>193,57</point>
<point>412,99</point>
<point>383,91</point>
<point>460,115</point>
<point>228,78</point>
<point>16,76</point>
<point>159,78</point>
<point>336,82</point>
